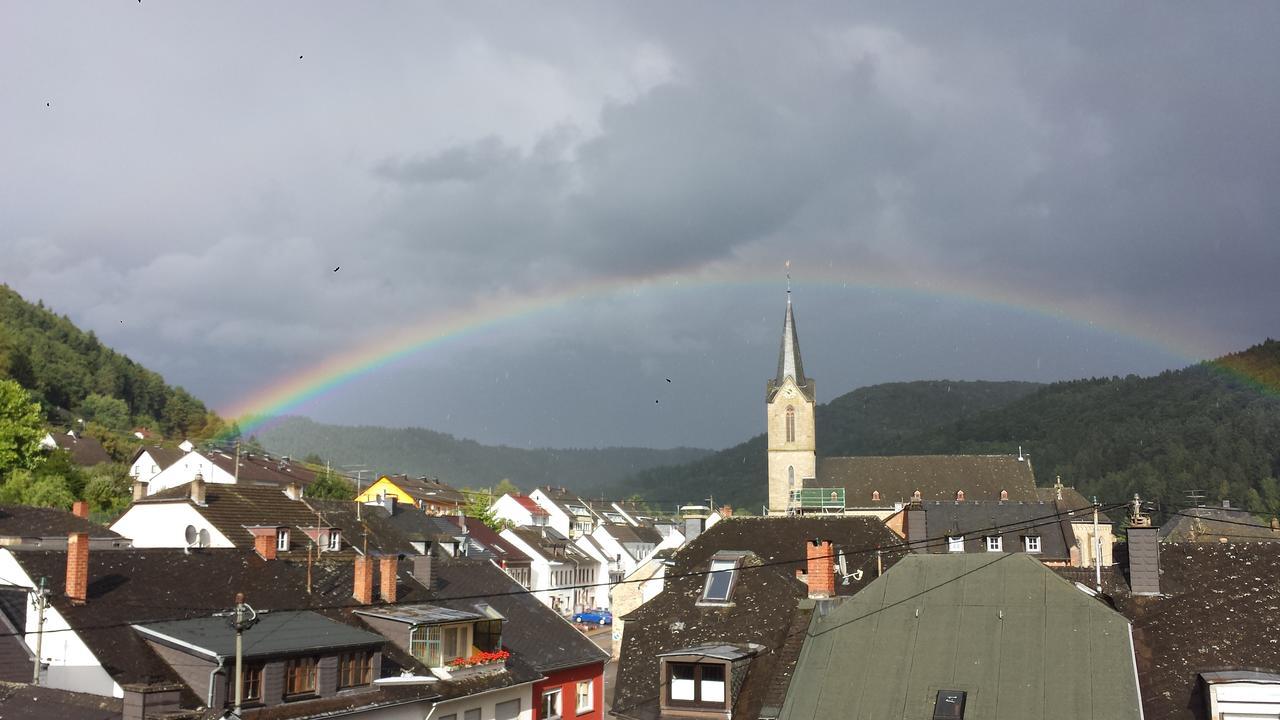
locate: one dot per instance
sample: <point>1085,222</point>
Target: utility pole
<point>237,461</point>
<point>39,603</point>
<point>245,618</point>
<point>1097,548</point>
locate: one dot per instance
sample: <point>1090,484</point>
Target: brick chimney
<point>821,568</point>
<point>78,567</point>
<point>265,545</point>
<point>363,590</point>
<point>387,577</point>
<point>916,531</point>
<point>145,701</point>
<point>198,489</point>
<point>293,490</point>
<point>422,569</point>
<point>80,509</point>
<point>139,489</point>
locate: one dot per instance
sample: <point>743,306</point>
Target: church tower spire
<point>789,409</point>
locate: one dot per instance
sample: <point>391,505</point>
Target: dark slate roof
<point>368,522</point>
<point>163,456</point>
<point>429,490</point>
<point>85,451</point>
<point>972,520</point>
<point>274,633</point>
<point>552,544</point>
<point>626,534</point>
<point>16,659</point>
<point>763,605</point>
<point>416,525</point>
<point>421,614</point>
<point>1069,500</point>
<point>28,702</point>
<point>21,521</point>
<point>563,498</point>
<point>532,630</point>
<point>1210,524</point>
<point>1219,611</point>
<point>789,363</point>
<point>937,477</point>
<point>1020,641</point>
<point>262,469</point>
<point>133,586</point>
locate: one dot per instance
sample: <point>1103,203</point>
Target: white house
<point>561,575</point>
<point>519,510</point>
<point>219,468</point>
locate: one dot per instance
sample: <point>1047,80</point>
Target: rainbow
<point>287,394</point>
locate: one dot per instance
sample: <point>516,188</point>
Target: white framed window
<point>335,539</point>
<point>585,701</point>
<point>719,585</point>
<point>282,539</point>
<point>550,709</point>
<point>955,543</point>
<point>435,645</point>
<point>1031,543</point>
<point>995,543</point>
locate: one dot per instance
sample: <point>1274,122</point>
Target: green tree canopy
<point>329,485</point>
<point>20,428</point>
<point>112,413</point>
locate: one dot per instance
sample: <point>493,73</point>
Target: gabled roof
<point>163,456</point>
<point>973,521</point>
<point>937,477</point>
<point>627,534</point>
<point>425,489</point>
<point>1210,524</point>
<point>85,451</point>
<point>1017,639</point>
<point>262,469</point>
<point>531,630</point>
<point>274,633</point>
<point>1218,612</point>
<point>22,521</point>
<point>528,503</point>
<point>418,526</point>
<point>763,606</point>
<point>503,552</point>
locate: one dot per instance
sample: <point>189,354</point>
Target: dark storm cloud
<point>1121,159</point>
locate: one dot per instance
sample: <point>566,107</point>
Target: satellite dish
<point>204,538</point>
<point>191,534</point>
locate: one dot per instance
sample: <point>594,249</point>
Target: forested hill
<point>867,421</point>
<point>466,463</point>
<point>75,376</point>
<point>1212,427</point>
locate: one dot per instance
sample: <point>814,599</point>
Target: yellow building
<point>429,495</point>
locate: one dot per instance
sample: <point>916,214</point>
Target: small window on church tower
<point>791,476</point>
<point>791,424</point>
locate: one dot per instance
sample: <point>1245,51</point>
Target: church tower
<point>789,403</point>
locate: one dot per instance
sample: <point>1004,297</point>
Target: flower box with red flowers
<point>479,659</point>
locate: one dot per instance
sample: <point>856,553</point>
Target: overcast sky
<point>965,190</point>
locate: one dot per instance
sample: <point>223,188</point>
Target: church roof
<point>937,477</point>
<point>789,363</point>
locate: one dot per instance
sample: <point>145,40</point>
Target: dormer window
<point>334,543</point>
<point>875,496</point>
<point>995,543</point>
<point>1031,543</point>
<point>435,645</point>
<point>955,543</point>
<point>917,496</point>
<point>959,496</point>
<point>720,580</point>
<point>696,685</point>
<point>282,539</point>
<point>1004,494</point>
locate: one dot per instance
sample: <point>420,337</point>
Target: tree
<point>25,488</point>
<point>505,487</point>
<point>479,506</point>
<point>329,485</point>
<point>20,428</point>
<point>110,412</point>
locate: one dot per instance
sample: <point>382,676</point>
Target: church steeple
<point>789,354</point>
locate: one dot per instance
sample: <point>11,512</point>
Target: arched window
<point>791,476</point>
<point>791,424</point>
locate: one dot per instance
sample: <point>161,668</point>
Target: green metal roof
<point>276,633</point>
<point>1022,642</point>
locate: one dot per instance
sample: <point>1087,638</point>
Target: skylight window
<point>995,543</point>
<point>955,543</point>
<point>720,580</point>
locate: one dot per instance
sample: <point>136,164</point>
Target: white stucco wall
<point>487,702</point>
<point>164,525</point>
<point>558,519</point>
<point>184,471</point>
<point>509,509</point>
<point>71,665</point>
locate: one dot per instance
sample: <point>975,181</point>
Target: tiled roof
<point>1003,628</point>
<point>21,521</point>
<point>972,520</point>
<point>502,550</point>
<point>532,630</point>
<point>1219,610</point>
<point>937,477</point>
<point>528,503</point>
<point>85,451</point>
<point>763,605</point>
<point>29,702</point>
<point>428,490</point>
<point>628,534</point>
<point>262,469</point>
<point>163,456</point>
<point>1210,524</point>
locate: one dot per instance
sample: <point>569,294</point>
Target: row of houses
<point>370,610</point>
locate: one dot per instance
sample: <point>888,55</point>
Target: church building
<point>801,482</point>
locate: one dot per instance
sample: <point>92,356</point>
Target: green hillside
<point>1212,427</point>
<point>866,421</point>
<point>465,463</point>
<point>74,376</point>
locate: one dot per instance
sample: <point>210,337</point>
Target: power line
<point>907,545</point>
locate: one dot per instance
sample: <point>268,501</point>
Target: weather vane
<point>788,266</point>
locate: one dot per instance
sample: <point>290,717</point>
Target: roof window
<point>949,705</point>
<point>720,580</point>
<point>955,543</point>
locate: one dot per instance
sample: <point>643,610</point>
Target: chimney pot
<point>198,489</point>
<point>80,509</point>
<point>78,566</point>
<point>821,573</point>
<point>387,577</point>
<point>139,490</point>
<point>363,590</point>
<point>293,490</point>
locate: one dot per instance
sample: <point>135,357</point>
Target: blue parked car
<point>594,617</point>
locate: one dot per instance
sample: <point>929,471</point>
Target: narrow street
<point>603,637</point>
